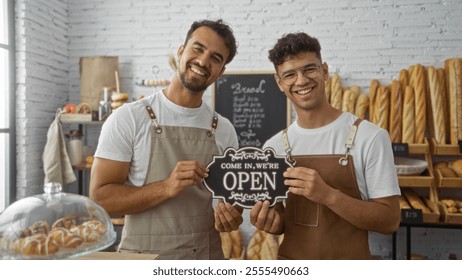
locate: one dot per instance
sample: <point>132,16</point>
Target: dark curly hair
<point>222,29</point>
<point>292,44</point>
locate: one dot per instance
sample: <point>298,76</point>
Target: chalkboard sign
<point>254,105</point>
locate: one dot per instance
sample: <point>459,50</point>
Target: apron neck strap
<point>348,144</point>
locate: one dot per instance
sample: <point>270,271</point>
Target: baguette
<point>408,116</point>
<point>419,84</point>
<point>349,101</point>
<point>396,112</point>
<point>372,96</point>
<point>453,69</point>
<point>403,203</point>
<point>447,124</point>
<point>382,109</point>
<point>437,108</point>
<point>337,92</point>
<point>328,87</point>
<point>404,78</point>
<point>415,201</point>
<point>362,103</point>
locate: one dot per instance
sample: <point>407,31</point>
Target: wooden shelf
<point>444,149</point>
<point>419,148</point>
<point>415,181</point>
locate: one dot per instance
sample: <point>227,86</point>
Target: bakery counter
<point>118,256</point>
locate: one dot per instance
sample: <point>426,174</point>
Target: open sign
<point>247,175</point>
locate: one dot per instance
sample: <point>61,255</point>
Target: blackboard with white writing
<point>254,105</point>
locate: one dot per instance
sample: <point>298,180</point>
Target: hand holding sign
<point>247,175</point>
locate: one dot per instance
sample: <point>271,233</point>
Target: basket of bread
<point>54,225</point>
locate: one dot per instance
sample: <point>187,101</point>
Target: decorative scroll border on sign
<point>247,175</point>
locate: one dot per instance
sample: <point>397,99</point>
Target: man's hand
<point>227,218</point>
<point>185,174</point>
<point>265,218</point>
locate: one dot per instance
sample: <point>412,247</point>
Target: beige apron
<point>182,227</point>
<point>314,231</point>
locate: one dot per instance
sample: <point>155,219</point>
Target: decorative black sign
<point>400,149</point>
<point>254,104</point>
<point>247,175</point>
<point>411,216</point>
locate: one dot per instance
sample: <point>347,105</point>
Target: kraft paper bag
<point>96,73</point>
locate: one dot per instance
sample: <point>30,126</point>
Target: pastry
<point>66,222</point>
<point>86,233</point>
<point>64,238</point>
<point>96,226</point>
<point>37,244</point>
<point>39,227</point>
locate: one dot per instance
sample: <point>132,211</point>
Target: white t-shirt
<point>126,135</point>
<point>372,152</point>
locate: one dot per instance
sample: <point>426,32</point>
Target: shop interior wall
<point>361,40</point>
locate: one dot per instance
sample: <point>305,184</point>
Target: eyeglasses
<point>309,71</point>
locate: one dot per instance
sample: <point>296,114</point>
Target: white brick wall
<point>362,40</point>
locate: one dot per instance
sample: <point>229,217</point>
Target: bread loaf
<point>447,124</point>
<point>420,86</point>
<point>396,112</point>
<point>255,244</point>
<point>337,92</point>
<point>456,165</point>
<point>349,101</point>
<point>372,96</point>
<point>262,246</point>
<point>270,247</point>
<point>436,98</point>
<point>382,107</point>
<point>447,172</point>
<point>403,203</point>
<point>453,69</point>
<point>408,116</point>
<point>403,78</point>
<point>415,201</point>
<point>362,104</point>
<point>328,87</point>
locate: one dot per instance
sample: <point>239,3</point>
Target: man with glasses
<point>343,183</point>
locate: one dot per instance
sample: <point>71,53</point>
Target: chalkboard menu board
<point>254,105</point>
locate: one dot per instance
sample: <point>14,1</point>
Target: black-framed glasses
<point>310,71</point>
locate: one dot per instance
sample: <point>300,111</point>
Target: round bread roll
<point>119,96</point>
<point>456,166</point>
<point>447,172</point>
<point>440,164</point>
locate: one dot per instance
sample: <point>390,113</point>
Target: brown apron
<point>182,227</point>
<point>314,231</point>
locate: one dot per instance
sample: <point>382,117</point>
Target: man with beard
<point>150,162</point>
<point>344,181</point>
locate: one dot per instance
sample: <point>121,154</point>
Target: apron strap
<point>158,129</point>
<point>350,141</point>
<point>214,125</point>
<point>348,144</point>
<point>153,118</point>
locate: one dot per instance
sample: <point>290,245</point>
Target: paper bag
<point>96,73</point>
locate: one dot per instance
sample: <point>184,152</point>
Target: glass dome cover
<point>54,225</point>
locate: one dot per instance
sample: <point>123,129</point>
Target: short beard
<point>191,85</point>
